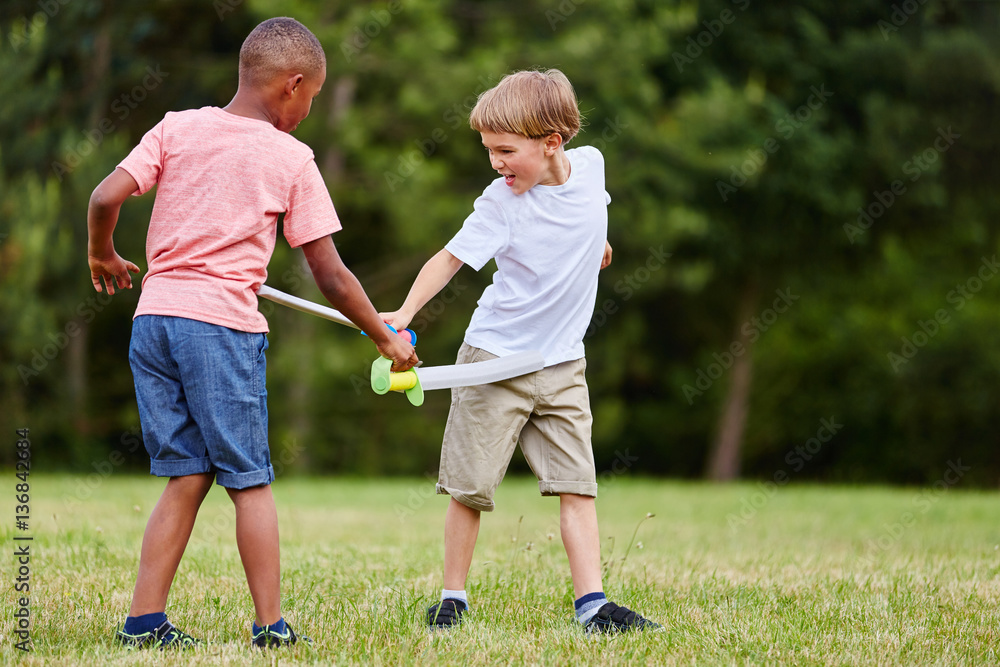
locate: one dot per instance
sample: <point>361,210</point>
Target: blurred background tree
<point>803,216</point>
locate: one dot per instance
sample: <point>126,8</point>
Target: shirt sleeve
<point>484,233</point>
<point>145,162</point>
<point>310,214</point>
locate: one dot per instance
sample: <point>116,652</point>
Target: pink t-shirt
<point>222,181</point>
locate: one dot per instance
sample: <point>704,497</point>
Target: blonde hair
<point>279,46</point>
<point>529,103</point>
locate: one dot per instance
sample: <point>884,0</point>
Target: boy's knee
<point>475,500</point>
<point>248,493</point>
<point>196,482</point>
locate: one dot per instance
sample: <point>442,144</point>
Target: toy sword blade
<point>417,380</point>
<point>304,305</point>
<point>483,372</point>
<point>327,313</point>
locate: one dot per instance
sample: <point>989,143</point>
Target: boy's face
<point>524,163</point>
<point>299,100</point>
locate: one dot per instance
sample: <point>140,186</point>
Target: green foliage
<point>843,153</point>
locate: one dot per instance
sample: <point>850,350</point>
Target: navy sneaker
<point>613,618</point>
<point>266,637</point>
<point>446,614</point>
<point>163,636</point>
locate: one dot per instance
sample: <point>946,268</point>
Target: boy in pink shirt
<point>223,177</point>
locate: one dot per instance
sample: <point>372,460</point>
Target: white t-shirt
<point>548,244</point>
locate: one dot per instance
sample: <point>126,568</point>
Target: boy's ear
<point>292,83</point>
<point>552,143</point>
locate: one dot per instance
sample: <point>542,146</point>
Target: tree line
<point>803,214</point>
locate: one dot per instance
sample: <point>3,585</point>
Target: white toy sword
<point>305,306</point>
<point>327,313</point>
<point>416,381</point>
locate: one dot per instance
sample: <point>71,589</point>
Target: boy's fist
<point>403,356</point>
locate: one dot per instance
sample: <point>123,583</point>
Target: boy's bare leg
<point>167,533</point>
<point>257,540</point>
<point>580,536</point>
<point>461,529</point>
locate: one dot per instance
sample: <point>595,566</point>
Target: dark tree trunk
<point>725,456</point>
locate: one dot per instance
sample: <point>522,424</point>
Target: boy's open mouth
<point>508,179</point>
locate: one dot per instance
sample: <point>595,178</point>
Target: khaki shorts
<point>549,411</point>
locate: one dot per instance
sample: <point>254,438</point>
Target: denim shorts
<point>202,399</point>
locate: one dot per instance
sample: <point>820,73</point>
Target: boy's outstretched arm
<point>437,272</point>
<point>342,289</point>
<point>102,216</point>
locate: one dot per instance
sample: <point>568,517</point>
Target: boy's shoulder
<point>589,151</point>
<point>585,155</point>
<point>215,123</point>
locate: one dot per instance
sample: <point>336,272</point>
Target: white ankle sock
<point>455,595</point>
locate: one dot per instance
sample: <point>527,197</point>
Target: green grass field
<point>807,575</point>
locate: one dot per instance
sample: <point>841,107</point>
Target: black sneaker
<point>164,636</point>
<point>613,618</point>
<point>266,637</point>
<point>446,614</point>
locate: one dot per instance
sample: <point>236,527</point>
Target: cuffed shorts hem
<point>548,488</point>
<point>469,501</point>
<point>229,480</point>
<point>245,480</point>
<point>180,467</point>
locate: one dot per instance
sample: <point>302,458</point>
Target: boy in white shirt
<point>545,223</point>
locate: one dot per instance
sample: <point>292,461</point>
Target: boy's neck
<point>249,105</point>
<point>559,168</point>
